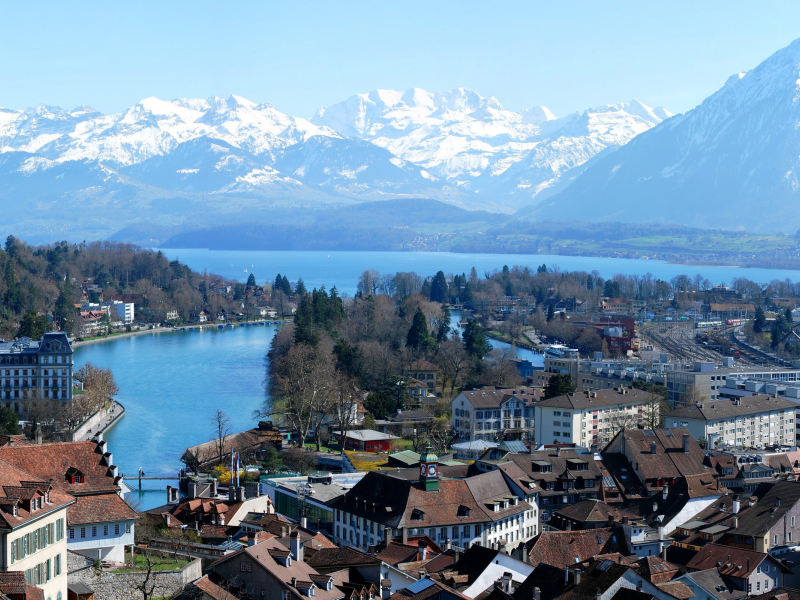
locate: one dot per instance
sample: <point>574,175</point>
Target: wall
<point>92,423</point>
<point>112,585</point>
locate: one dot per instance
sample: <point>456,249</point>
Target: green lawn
<point>159,563</point>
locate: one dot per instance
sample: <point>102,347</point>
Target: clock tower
<point>429,470</point>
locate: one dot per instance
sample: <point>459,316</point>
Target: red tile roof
<point>16,486</point>
<point>565,548</point>
<point>103,508</point>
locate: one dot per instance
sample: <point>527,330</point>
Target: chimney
<point>421,574</point>
<point>665,492</point>
<point>577,576</point>
<point>653,448</point>
<point>748,565</point>
<point>778,502</point>
<point>231,493</point>
<point>405,535</point>
<point>736,504</point>
<point>598,594</point>
<point>448,545</point>
<point>735,522</point>
<point>294,581</point>
<point>507,582</point>
<point>558,451</point>
<point>566,577</point>
<point>38,435</point>
<point>214,488</point>
<point>655,506</point>
<point>663,552</point>
<point>167,518</point>
<point>686,442</point>
<point>537,594</point>
<point>295,546</point>
<point>304,523</point>
<point>192,490</point>
<point>387,535</point>
<point>386,589</point>
<point>624,519</point>
<point>422,550</point>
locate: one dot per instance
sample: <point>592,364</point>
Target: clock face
<point>431,470</point>
<point>422,470</point>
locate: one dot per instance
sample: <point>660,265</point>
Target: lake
<point>343,268</point>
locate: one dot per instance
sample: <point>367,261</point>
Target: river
<point>343,268</point>
<point>171,384</point>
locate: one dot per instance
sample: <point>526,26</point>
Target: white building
<point>122,311</point>
<point>482,509</point>
<point>592,418</point>
<point>494,414</point>
<point>752,421</point>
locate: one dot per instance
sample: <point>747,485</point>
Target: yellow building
<point>33,520</point>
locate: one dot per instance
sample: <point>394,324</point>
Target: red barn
<point>366,440</point>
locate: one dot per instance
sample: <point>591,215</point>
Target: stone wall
<point>113,585</point>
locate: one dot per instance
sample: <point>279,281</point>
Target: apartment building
<point>482,509</point>
<point>42,369</point>
<point>593,418</point>
<point>493,414</point>
<point>122,312</point>
<point>600,373</point>
<point>33,518</point>
<point>753,421</point>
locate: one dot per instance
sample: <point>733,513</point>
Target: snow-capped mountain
<point>733,161</point>
<point>472,141</point>
<point>194,159</point>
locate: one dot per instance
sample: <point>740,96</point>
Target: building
<point>122,312</point>
<point>482,509</point>
<point>42,369</point>
<point>251,446</point>
<point>593,418</point>
<point>472,450</point>
<point>494,414</point>
<point>425,372</point>
<point>271,571</point>
<point>366,440</point>
<point>748,570</point>
<point>772,523</point>
<point>100,523</point>
<point>560,476</point>
<point>33,525</point>
<point>309,497</point>
<point>753,421</point>
<point>705,382</point>
<point>266,311</point>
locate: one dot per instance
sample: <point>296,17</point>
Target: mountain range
<point>178,166</point>
<point>185,163</point>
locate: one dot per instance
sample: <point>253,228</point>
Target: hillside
<point>732,162</point>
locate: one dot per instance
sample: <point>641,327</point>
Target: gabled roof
<point>774,500</point>
<point>599,398</point>
<point>567,548</point>
<point>341,557</point>
<point>712,582</point>
<point>52,461</point>
<point>729,407</point>
<point>16,486</point>
<point>102,508</point>
<point>729,561</point>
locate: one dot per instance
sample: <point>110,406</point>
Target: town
<point>649,451</point>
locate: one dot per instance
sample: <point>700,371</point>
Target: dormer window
<point>463,511</point>
<point>417,515</point>
<point>74,476</point>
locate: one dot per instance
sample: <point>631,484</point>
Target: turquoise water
<point>343,268</point>
<point>170,385</point>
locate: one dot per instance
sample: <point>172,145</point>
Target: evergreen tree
<point>304,330</point>
<point>439,288</point>
<point>550,313</point>
<point>789,317</point>
<point>557,385</point>
<point>64,311</point>
<point>475,342</point>
<point>251,281</point>
<point>444,326</point>
<point>9,421</point>
<point>300,288</point>
<point>418,336</point>
<point>12,245</point>
<point>542,268</point>
<point>589,283</point>
<point>760,322</point>
<point>33,326</point>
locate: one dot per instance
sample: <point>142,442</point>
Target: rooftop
<point>726,407</point>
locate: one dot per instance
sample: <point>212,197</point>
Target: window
<point>94,529</point>
<point>83,532</point>
<point>116,528</point>
<point>128,526</point>
<point>105,529</point>
<point>71,533</point>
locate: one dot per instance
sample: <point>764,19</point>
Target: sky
<point>299,56</point>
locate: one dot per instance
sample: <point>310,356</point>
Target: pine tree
<point>760,321</point>
<point>418,336</point>
<point>557,385</point>
<point>439,288</point>
<point>300,288</point>
<point>550,313</point>
<point>64,311</point>
<point>251,281</point>
<point>475,342</point>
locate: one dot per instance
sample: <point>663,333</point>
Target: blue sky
<point>567,55</point>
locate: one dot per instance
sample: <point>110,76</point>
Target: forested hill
<point>49,279</point>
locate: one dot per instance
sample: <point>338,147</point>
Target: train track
<point>679,343</point>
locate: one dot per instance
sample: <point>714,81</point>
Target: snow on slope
<point>472,141</point>
<point>153,127</point>
<point>733,157</point>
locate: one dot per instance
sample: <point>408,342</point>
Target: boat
<point>183,328</point>
<point>220,326</point>
<point>556,350</point>
<point>229,325</point>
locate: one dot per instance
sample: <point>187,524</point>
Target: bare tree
<point>442,435</point>
<point>344,406</point>
<point>500,368</point>
<point>453,362</point>
<point>221,425</point>
<point>99,386</point>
